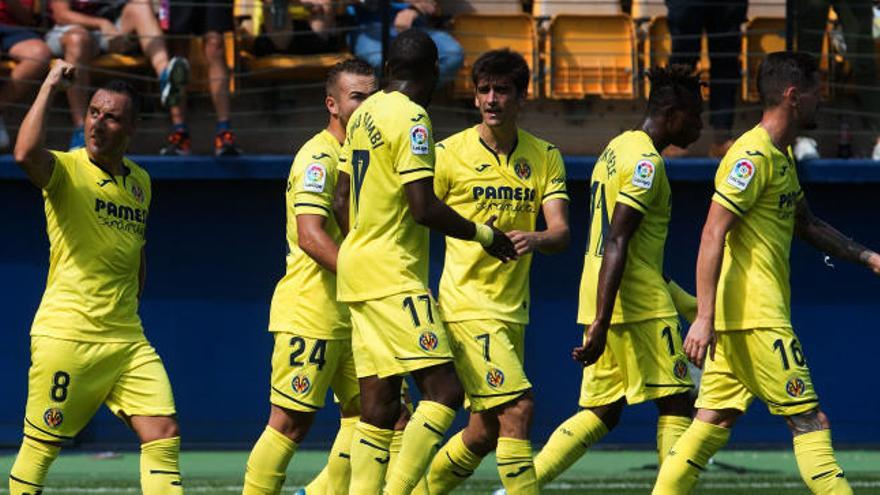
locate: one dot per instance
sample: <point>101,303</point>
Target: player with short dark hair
<point>386,201</point>
<point>87,341</point>
<point>743,292</point>
<point>632,344</point>
<point>495,171</point>
<point>312,331</point>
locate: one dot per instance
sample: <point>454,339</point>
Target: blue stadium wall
<point>216,247</point>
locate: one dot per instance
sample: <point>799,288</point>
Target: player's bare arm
<point>340,201</point>
<point>316,242</point>
<point>30,146</point>
<point>701,336</point>
<point>429,211</point>
<point>831,241</point>
<point>624,222</point>
<point>554,239</point>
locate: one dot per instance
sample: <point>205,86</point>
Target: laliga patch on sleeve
<point>643,176</point>
<point>315,178</point>
<point>419,140</point>
<point>741,174</point>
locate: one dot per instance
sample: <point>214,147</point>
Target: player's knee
<point>724,418</point>
<point>807,422</point>
<point>480,440</point>
<point>380,413</point>
<point>294,425</point>
<point>609,414</point>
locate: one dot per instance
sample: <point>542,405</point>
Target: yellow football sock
<point>267,464</point>
<point>819,469</point>
<point>31,466</point>
<point>516,467</point>
<point>681,468</point>
<point>453,464</point>
<point>685,303</point>
<point>394,451</point>
<point>567,444</point>
<point>160,469</point>
<point>421,439</point>
<point>338,470</point>
<point>669,429</point>
<point>319,484</point>
<point>369,458</point>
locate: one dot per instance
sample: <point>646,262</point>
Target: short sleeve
<point>312,183</point>
<point>739,181</point>
<point>60,170</point>
<point>554,184</point>
<point>415,153</point>
<point>442,177</point>
<point>344,162</point>
<point>639,181</point>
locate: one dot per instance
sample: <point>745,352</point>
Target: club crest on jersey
<point>418,139</point>
<point>495,377</point>
<point>315,177</point>
<point>795,387</point>
<point>643,176</point>
<point>522,168</point>
<point>137,192</point>
<point>741,174</point>
<point>53,417</point>
<point>680,369</point>
<point>428,341</point>
<point>301,384</point>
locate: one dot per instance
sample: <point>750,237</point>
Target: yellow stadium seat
<point>643,10</point>
<point>591,56</point>
<point>763,35</point>
<point>658,50</point>
<point>273,67</point>
<point>480,33</point>
<point>502,7</point>
<point>550,8</point>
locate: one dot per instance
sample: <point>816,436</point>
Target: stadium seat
<point>478,33</point>
<point>766,8</point>
<point>645,10</point>
<point>657,50</point>
<point>591,55</point>
<point>763,35</point>
<point>550,8</point>
<point>497,7</point>
<point>276,66</point>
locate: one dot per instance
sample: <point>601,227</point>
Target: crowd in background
<point>80,30</point>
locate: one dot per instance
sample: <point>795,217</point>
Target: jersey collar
<point>490,150</point>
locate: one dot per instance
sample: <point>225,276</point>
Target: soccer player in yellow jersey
<point>632,346</point>
<point>743,293</point>
<point>87,342</point>
<point>387,182</point>
<point>495,170</point>
<point>312,331</point>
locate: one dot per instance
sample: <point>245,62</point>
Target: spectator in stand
<point>210,19</point>
<point>30,53</point>
<point>366,42</point>
<point>856,17</point>
<point>86,28</point>
<point>299,27</point>
<point>722,20</point>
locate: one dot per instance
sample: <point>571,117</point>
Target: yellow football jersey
<point>96,224</point>
<point>305,298</point>
<point>478,183</point>
<point>759,184</point>
<point>629,171</point>
<point>388,143</point>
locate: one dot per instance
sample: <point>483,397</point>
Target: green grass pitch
<point>599,472</point>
